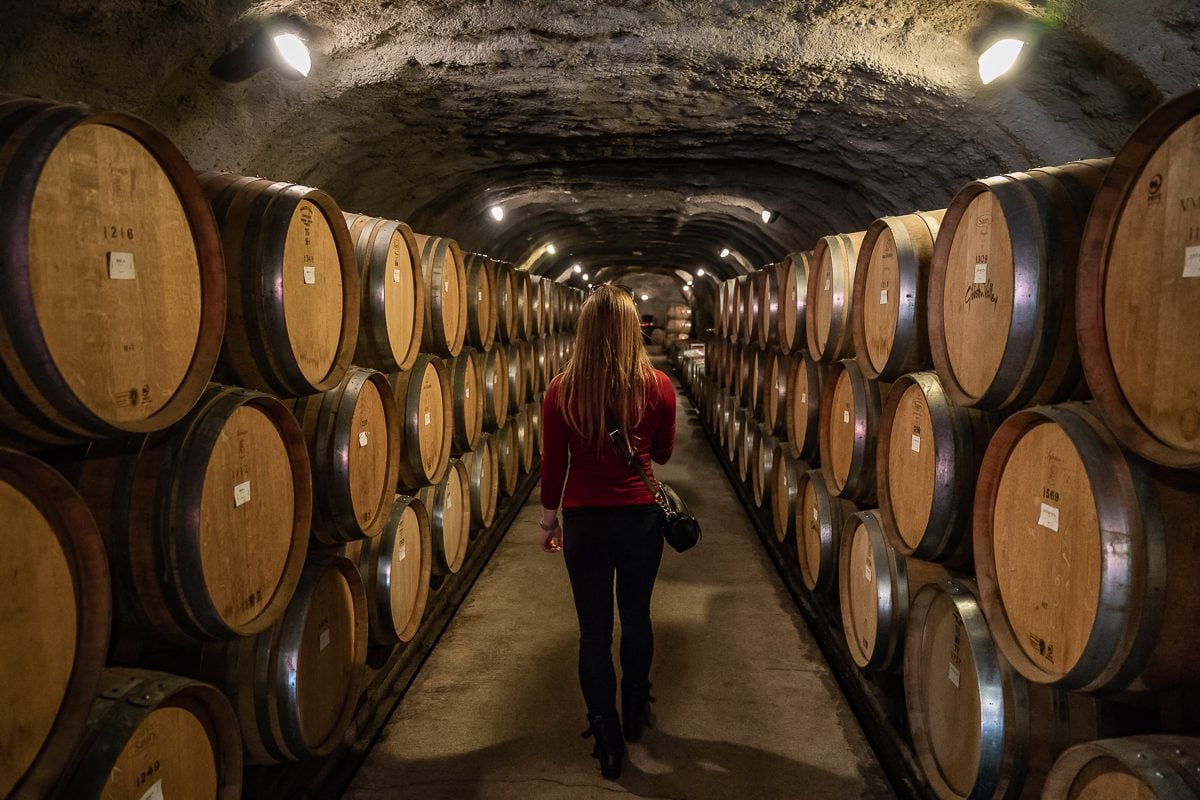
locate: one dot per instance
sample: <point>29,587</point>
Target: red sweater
<point>604,479</point>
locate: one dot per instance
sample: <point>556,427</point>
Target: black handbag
<point>680,527</point>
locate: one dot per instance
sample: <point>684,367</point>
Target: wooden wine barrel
<point>542,364</point>
<point>533,369</point>
<point>206,524</point>
<point>802,412</point>
<point>507,307</point>
<point>482,310</point>
<point>353,435</point>
<point>467,393</point>
<point>152,735</point>
<point>742,431</point>
<point>535,421</point>
<point>144,362</point>
<point>978,728</point>
<point>748,330</point>
<point>681,326</point>
<point>851,409</point>
<point>927,461</point>
<point>830,298</point>
<point>393,296</point>
<point>55,617</point>
<point>395,567</point>
<point>445,281</point>
<point>526,437</point>
<point>518,381</point>
<point>721,309</point>
<point>1139,335</point>
<point>1002,287</point>
<point>295,687</point>
<point>508,456</point>
<point>1086,555</point>
<point>524,307</point>
<point>449,505</point>
<point>737,311</point>
<point>875,585</point>
<point>820,518</point>
<point>1133,768</point>
<point>762,455</point>
<point>769,279</point>
<point>426,421</point>
<point>495,387</point>
<point>890,282</point>
<point>776,369</point>
<point>537,307</point>
<point>755,379</point>
<point>793,303</point>
<point>785,477</point>
<point>679,311</point>
<point>483,478</point>
<point>292,280</point>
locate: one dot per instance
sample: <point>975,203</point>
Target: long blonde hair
<point>609,372</point>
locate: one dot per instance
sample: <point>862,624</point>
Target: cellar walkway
<point>746,705</point>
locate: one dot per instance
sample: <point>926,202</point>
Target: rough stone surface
<point>747,707</point>
<point>633,134</point>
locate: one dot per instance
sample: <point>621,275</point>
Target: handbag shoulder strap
<point>622,445</point>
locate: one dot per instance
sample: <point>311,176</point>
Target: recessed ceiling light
<point>645,297</point>
<point>999,59</point>
<point>577,268</point>
<point>585,277</point>
<point>551,249</point>
<point>497,213</point>
<point>724,252</point>
<point>700,272</point>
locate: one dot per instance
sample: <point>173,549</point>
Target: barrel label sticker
<point>395,276</point>
<point>827,283</point>
<point>883,297</point>
<point>1049,517</point>
<point>427,419</point>
<point>468,392</point>
<point>479,296</point>
<point>804,397</point>
<point>845,416</point>
<point>981,269</point>
<point>916,443</point>
<point>402,553</point>
<point>445,286</point>
<point>155,792</point>
<point>310,274</point>
<point>363,438</point>
<point>324,638</point>
<point>449,502</point>
<point>120,266</point>
<point>867,570</point>
<point>241,494</point>
<point>955,675</point>
<point>1191,262</point>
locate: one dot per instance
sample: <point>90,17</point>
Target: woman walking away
<point>612,524</point>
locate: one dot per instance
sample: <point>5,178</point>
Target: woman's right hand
<point>552,539</point>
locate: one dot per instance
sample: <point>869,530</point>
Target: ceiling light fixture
<point>551,249</point>
<point>279,44</point>
<point>497,213</point>
<point>769,216</point>
<point>577,269</point>
<point>700,272</point>
<point>585,277</point>
<point>645,297</point>
<point>724,252</point>
<point>999,59</point>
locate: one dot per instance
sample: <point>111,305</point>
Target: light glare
<point>551,249</point>
<point>724,252</point>
<point>577,269</point>
<point>645,297</point>
<point>585,277</point>
<point>294,52</point>
<point>766,215</point>
<point>497,213</point>
<point>700,272</point>
<point>999,59</point>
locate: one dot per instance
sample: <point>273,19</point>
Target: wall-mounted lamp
<point>999,59</point>
<point>769,216</point>
<point>279,45</point>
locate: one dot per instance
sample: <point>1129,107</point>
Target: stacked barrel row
<point>984,453</point>
<point>257,533</point>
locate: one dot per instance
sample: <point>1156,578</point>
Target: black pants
<point>598,543</point>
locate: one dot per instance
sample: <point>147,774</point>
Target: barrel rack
<point>877,699</point>
<point>395,669</point>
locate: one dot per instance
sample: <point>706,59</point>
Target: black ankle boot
<point>635,709</point>
<point>610,747</point>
